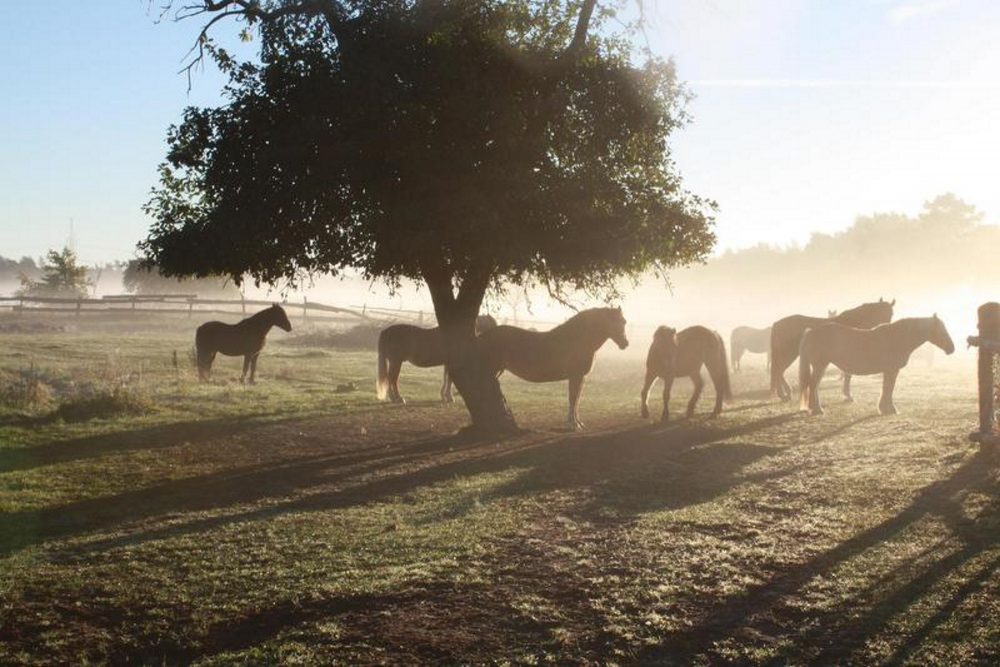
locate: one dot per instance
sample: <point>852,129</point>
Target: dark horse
<point>424,348</point>
<point>748,339</point>
<point>243,338</point>
<point>786,334</point>
<point>564,353</point>
<point>885,349</point>
<point>673,354</point>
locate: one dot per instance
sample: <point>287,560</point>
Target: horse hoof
<point>888,412</point>
<point>817,412</point>
<point>715,413</point>
<point>645,413</point>
<point>848,399</point>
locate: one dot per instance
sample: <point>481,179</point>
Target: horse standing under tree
<point>424,348</point>
<point>749,339</point>
<point>244,338</point>
<point>674,354</point>
<point>786,335</point>
<point>563,353</point>
<point>885,349</point>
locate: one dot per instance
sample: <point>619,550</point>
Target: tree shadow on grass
<point>836,635</point>
<point>346,479</point>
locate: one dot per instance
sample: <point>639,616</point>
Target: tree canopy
<point>462,143</point>
<point>62,275</point>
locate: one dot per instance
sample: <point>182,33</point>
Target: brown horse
<point>564,353</point>
<point>748,339</point>
<point>424,348</point>
<point>673,354</point>
<point>786,334</point>
<point>243,338</point>
<point>885,349</point>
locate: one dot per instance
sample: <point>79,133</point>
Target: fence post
<point>305,304</point>
<point>989,330</point>
<point>133,302</point>
<point>243,303</point>
<point>190,307</point>
<point>79,305</point>
<point>421,317</point>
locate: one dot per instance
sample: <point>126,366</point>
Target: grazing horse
<point>674,354</point>
<point>424,348</point>
<point>786,334</point>
<point>748,339</point>
<point>885,349</point>
<point>246,338</point>
<point>563,353</point>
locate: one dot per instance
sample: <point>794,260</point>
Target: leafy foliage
<point>140,278</point>
<point>62,275</point>
<point>446,138</point>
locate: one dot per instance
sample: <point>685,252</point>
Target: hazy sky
<point>808,112</point>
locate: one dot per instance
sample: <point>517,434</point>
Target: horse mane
<point>850,313</point>
<point>262,314</point>
<point>580,318</point>
<point>662,332</point>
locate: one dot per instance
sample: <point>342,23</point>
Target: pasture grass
<point>300,521</point>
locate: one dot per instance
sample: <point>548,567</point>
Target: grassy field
<point>145,517</point>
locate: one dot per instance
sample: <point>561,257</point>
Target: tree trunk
<point>479,388</point>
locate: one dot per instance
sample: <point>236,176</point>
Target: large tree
<point>466,144</point>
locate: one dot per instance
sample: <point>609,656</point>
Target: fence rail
<point>190,305</point>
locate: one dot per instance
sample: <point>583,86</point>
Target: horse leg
<point>818,370</point>
<point>699,384</point>
<point>668,384</point>
<point>715,373</point>
<point>650,379</point>
<point>885,405</point>
<point>847,389</point>
<point>575,387</point>
<point>253,368</point>
<point>446,396</point>
<point>395,366</point>
<point>246,367</point>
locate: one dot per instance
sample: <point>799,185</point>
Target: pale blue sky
<point>808,112</point>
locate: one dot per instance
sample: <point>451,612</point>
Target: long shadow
<point>557,461</point>
<point>842,631</point>
<point>153,437</point>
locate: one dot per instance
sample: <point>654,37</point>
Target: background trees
<point>61,275</point>
<point>466,145</point>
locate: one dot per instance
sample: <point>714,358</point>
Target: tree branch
<point>582,26</point>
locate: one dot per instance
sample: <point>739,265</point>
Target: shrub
<point>96,402</point>
<point>25,390</point>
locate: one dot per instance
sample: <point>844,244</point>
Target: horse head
<point>868,315</point>
<point>616,327</point>
<point>939,335</point>
<point>279,318</point>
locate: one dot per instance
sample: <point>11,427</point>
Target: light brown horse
<point>424,348</point>
<point>885,349</point>
<point>563,353</point>
<point>749,339</point>
<point>243,338</point>
<point>786,334</point>
<point>674,354</point>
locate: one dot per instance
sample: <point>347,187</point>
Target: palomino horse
<point>424,348</point>
<point>786,334</point>
<point>563,353</point>
<point>884,349</point>
<point>748,339</point>
<point>673,354</point>
<point>243,338</point>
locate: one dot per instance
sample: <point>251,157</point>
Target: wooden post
<point>989,330</point>
<point>190,307</point>
<point>305,304</point>
<point>133,302</point>
<point>243,303</point>
<point>79,305</point>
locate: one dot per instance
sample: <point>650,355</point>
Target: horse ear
<point>893,303</point>
<point>881,300</point>
<point>935,316</point>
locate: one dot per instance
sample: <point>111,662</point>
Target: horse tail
<point>382,370</point>
<point>724,385</point>
<point>805,375</point>
<point>775,372</point>
<point>733,357</point>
